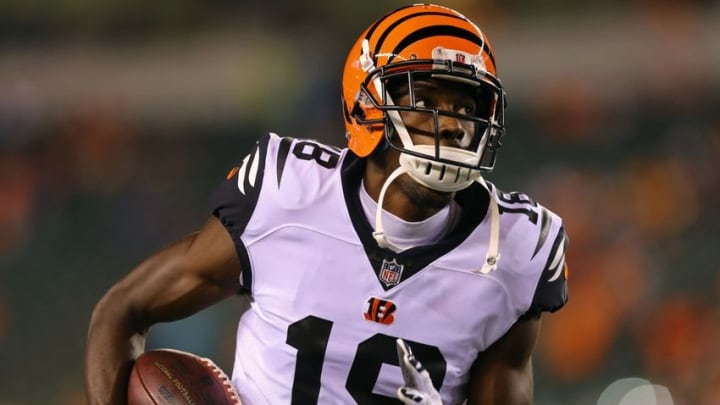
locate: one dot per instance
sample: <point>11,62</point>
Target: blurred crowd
<point>644,274</point>
<point>86,192</point>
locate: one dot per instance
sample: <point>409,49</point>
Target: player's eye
<point>467,109</point>
<point>423,103</point>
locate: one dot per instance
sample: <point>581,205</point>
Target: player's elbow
<point>116,311</point>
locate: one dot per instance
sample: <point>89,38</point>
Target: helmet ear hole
<point>357,112</point>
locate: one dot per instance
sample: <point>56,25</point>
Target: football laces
<point>225,380</point>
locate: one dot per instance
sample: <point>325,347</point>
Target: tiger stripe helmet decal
<point>406,30</point>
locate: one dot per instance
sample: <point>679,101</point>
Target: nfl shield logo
<point>390,272</point>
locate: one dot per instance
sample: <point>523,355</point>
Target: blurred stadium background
<point>118,118</point>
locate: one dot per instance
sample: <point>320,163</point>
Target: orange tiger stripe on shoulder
<point>232,172</point>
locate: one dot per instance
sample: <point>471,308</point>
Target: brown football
<point>169,377</point>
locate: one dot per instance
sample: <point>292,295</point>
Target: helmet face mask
<point>410,45</point>
<point>482,129</point>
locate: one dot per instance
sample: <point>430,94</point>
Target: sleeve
<point>234,200</point>
<point>551,292</point>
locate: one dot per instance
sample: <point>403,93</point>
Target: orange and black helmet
<point>416,40</point>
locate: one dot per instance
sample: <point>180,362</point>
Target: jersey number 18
<point>310,337</point>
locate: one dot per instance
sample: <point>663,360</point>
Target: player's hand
<point>418,388</point>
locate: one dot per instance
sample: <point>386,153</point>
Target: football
<point>169,377</point>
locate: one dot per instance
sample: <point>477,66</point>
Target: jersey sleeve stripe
<point>558,271</point>
<point>252,175</point>
<point>248,176</point>
<point>283,151</point>
<point>557,247</point>
<point>544,230</point>
<point>556,260</point>
<point>241,174</point>
<point>551,291</point>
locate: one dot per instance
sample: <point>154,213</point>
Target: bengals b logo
<point>379,310</point>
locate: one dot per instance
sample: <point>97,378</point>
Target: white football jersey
<point>327,303</point>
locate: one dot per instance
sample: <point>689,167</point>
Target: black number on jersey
<point>310,337</point>
<point>381,349</point>
<point>323,156</point>
<point>518,203</point>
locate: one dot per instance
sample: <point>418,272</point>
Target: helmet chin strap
<point>492,257</point>
<point>379,233</point>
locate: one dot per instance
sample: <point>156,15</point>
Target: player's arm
<point>187,276</point>
<point>503,374</point>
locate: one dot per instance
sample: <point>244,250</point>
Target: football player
<point>386,272</point>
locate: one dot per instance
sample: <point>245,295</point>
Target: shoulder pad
<point>544,245</point>
<point>234,200</point>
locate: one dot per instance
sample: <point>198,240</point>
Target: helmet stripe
<point>442,30</point>
<point>372,28</point>
<point>392,26</point>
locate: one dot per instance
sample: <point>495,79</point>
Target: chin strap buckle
<point>490,264</point>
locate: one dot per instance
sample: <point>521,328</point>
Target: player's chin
<point>427,197</point>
